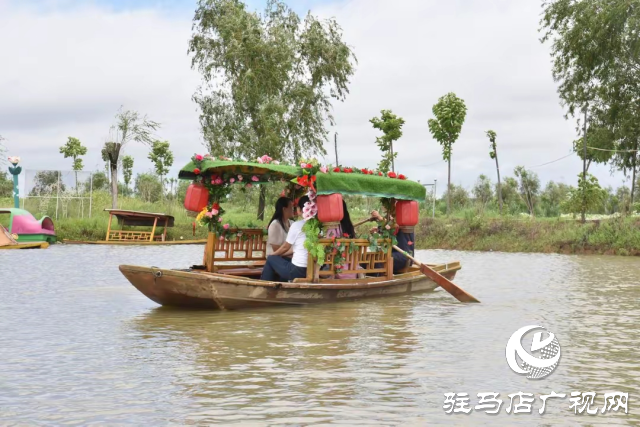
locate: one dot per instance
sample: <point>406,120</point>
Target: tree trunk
<point>499,184</point>
<point>114,185</point>
<point>262,202</point>
<point>76,173</point>
<point>633,183</point>
<point>393,166</point>
<point>449,189</point>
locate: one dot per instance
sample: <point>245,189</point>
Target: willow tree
<point>391,127</point>
<point>450,112</point>
<point>594,45</point>
<point>268,79</point>
<point>130,127</point>
<point>494,155</point>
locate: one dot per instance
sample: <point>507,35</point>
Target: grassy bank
<point>608,237</point>
<point>464,230</point>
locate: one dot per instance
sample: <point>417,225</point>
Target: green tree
<point>46,183</point>
<point>6,185</point>
<point>74,149</point>
<point>450,112</point>
<point>577,202</point>
<point>529,187</point>
<point>596,62</point>
<point>510,195</point>
<point>98,182</point>
<point>130,126</point>
<point>482,191</point>
<point>391,127</point>
<point>459,197</point>
<point>494,155</point>
<point>148,187</point>
<point>127,170</point>
<point>162,158</point>
<point>552,197</point>
<point>268,79</point>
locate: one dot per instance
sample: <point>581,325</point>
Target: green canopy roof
<point>369,185</point>
<point>222,166</point>
<point>326,183</point>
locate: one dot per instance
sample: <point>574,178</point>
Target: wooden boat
<point>136,237</point>
<point>229,278</point>
<point>8,241</point>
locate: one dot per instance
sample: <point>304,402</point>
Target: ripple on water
<point>82,346</point>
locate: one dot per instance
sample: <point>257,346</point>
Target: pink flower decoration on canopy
<point>220,219</point>
<point>303,165</point>
<point>248,185</point>
<point>255,178</point>
<point>219,181</point>
<point>324,169</point>
<point>214,212</point>
<point>232,180</point>
<point>199,157</point>
<point>260,160</point>
<point>388,227</point>
<point>209,214</point>
<point>275,162</point>
<point>226,226</point>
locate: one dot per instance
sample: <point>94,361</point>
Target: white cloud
<point>65,71</point>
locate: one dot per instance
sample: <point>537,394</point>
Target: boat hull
<point>196,289</point>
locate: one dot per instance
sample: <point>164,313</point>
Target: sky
<point>68,65</point>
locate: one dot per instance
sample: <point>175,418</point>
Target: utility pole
<point>335,138</point>
<point>584,169</point>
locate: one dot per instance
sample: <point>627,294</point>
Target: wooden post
<point>109,226</point>
<point>166,224</point>
<point>389,261</point>
<point>210,251</point>
<point>153,230</point>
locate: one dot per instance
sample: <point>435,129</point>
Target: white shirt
<point>296,238</point>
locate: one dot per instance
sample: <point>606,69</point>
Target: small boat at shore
<point>9,241</point>
<point>342,268</point>
<point>27,228</point>
<point>129,219</point>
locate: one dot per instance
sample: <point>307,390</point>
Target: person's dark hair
<point>278,215</point>
<point>346,224</point>
<point>302,200</point>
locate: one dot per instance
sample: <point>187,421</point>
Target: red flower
<point>216,206</point>
<point>364,171</point>
<point>379,173</point>
<point>313,178</point>
<point>308,166</point>
<point>343,255</point>
<point>392,175</point>
<point>336,169</point>
<point>196,171</point>
<point>402,176</point>
<point>348,170</point>
<point>345,235</point>
<point>334,251</point>
<point>371,173</point>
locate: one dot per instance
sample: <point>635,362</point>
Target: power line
<point>614,151</point>
<point>552,161</point>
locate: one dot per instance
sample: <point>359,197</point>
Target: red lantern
<point>330,207</point>
<point>407,213</point>
<point>197,197</point>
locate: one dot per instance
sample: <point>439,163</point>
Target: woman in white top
<point>279,224</point>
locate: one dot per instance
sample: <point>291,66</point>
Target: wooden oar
<point>357,224</point>
<point>457,292</point>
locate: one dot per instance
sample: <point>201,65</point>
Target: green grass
<point>467,229</point>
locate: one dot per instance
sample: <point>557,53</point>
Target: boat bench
<point>248,251</point>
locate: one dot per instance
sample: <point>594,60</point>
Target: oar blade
<point>457,292</point>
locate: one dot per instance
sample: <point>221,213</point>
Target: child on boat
<point>279,268</point>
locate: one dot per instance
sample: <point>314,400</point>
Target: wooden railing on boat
<point>133,236</point>
<point>250,246</point>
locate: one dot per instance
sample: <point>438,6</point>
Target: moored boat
<point>129,236</point>
<point>338,268</point>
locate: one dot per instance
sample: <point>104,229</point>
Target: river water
<point>80,346</point>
